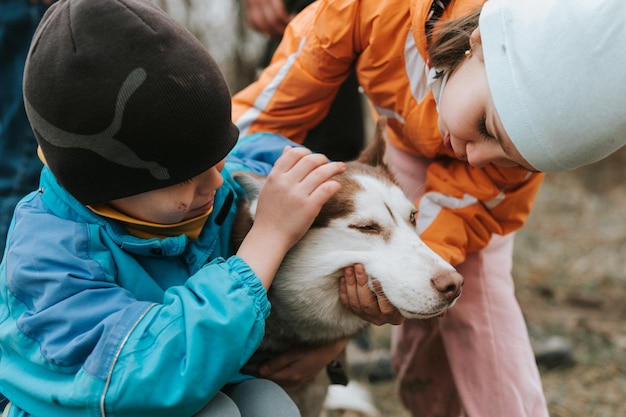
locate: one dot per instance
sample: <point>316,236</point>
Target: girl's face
<point>468,120</point>
<point>175,203</point>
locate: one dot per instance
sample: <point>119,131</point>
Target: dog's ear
<point>252,184</point>
<point>374,153</point>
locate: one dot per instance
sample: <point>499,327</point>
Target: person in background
<point>478,102</point>
<point>341,134</point>
<point>19,164</point>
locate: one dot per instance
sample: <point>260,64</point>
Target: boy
<point>119,292</point>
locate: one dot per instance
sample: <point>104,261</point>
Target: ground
<point>570,274</point>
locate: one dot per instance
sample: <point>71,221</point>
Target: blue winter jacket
<point>95,322</point>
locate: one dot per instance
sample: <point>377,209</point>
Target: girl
<point>474,111</point>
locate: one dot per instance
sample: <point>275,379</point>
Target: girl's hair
<point>450,40</point>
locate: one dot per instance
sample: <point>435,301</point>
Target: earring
<point>468,52</point>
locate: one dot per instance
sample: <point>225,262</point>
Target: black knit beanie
<point>123,99</point>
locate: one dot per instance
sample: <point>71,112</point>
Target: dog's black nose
<point>448,284</point>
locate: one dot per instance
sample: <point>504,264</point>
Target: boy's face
<point>468,120</point>
<point>175,203</point>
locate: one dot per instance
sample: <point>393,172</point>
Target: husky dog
<point>371,222</point>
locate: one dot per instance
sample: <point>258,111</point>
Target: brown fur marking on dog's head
<point>339,205</point>
<point>371,162</point>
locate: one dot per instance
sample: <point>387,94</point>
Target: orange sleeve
<point>463,206</point>
<point>293,94</point>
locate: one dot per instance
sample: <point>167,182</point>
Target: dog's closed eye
<point>372,228</point>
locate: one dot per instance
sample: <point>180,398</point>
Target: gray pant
<point>251,398</point>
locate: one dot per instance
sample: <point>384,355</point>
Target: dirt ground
<point>570,272</point>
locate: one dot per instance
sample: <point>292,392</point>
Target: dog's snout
<point>448,284</point>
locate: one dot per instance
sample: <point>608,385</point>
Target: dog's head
<point>369,221</point>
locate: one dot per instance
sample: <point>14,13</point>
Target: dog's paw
<point>352,400</point>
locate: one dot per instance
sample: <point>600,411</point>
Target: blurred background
<point>570,269</point>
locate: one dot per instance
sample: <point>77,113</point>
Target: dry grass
<point>570,267</point>
<point>570,271</point>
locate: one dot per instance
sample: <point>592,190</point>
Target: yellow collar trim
<point>146,230</point>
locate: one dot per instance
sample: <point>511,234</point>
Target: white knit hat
<point>557,73</point>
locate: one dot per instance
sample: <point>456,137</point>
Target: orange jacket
<point>385,42</point>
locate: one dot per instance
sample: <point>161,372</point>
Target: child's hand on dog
<point>372,306</point>
<point>295,191</point>
<point>301,365</point>
<point>293,195</point>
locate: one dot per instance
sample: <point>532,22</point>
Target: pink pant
<point>477,359</point>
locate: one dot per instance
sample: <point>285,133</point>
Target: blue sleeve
<point>257,152</point>
<point>74,341</point>
<point>187,348</point>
